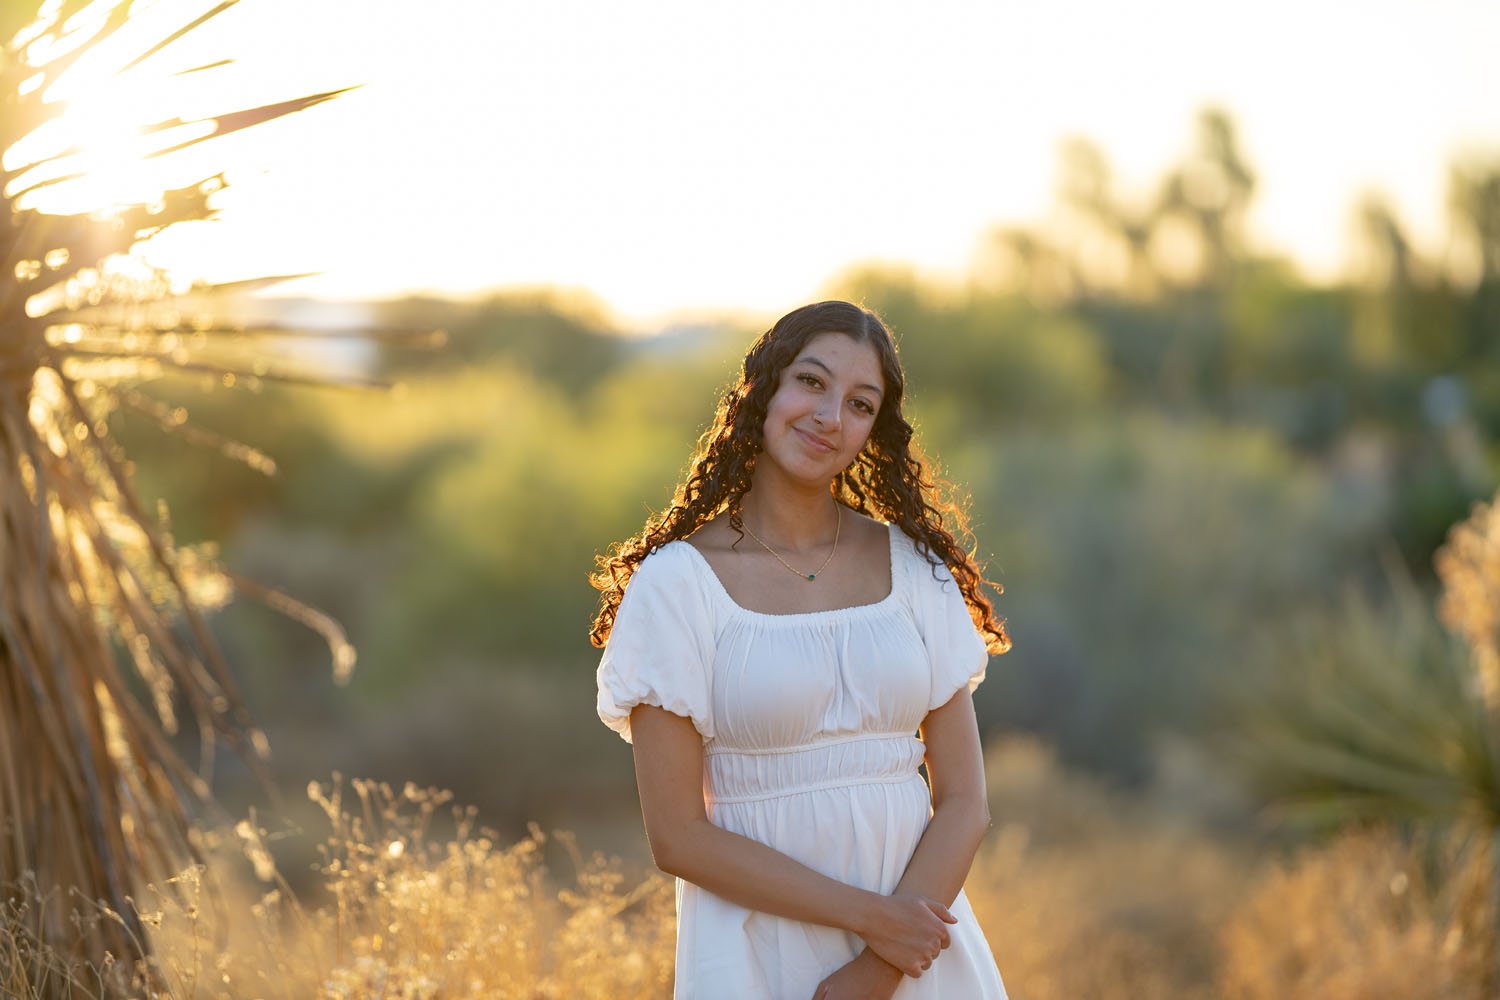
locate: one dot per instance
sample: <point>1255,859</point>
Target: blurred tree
<point>1209,193</point>
<point>990,360</point>
<point>1406,327</point>
<point>1474,205</point>
<point>566,339</point>
<point>1391,261</point>
<point>1474,202</point>
<point>1289,365</point>
<point>1086,187</point>
<point>1419,371</point>
<point>1212,189</point>
<point>1013,260</point>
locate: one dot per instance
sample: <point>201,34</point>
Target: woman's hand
<point>908,932</point>
<point>866,977</point>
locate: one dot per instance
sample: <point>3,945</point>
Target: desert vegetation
<point>1247,744</point>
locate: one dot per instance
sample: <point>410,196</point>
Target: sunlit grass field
<point>1083,892</point>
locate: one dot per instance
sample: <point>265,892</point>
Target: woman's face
<point>824,407</point>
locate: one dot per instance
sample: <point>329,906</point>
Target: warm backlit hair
<point>889,480</point>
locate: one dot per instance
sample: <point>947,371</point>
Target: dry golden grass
<point>406,915</point>
<point>1085,893</point>
<point>1469,566</point>
<point>1368,916</point>
<point>417,917</point>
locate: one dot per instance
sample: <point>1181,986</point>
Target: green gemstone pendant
<point>837,525</point>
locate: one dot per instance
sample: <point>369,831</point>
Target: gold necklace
<point>838,524</point>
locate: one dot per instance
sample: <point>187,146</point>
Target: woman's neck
<point>790,515</point>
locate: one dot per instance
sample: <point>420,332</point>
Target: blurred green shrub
<point>1142,559</point>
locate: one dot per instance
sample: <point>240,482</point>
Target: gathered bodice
<point>812,700</point>
<point>800,684</point>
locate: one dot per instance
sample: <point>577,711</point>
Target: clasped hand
<point>909,932</point>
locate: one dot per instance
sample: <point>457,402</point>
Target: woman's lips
<point>812,439</point>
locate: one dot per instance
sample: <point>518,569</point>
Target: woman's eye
<point>811,380</point>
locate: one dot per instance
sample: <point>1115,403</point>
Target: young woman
<point>772,641</point>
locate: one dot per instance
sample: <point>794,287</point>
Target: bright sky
<point>690,155</point>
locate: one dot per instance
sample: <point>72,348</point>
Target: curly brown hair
<point>889,479</point>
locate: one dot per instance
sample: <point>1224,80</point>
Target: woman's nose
<point>827,413</point>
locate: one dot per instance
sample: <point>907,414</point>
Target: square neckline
<point>718,585</point>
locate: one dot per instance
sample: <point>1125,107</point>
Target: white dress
<point>808,724</point>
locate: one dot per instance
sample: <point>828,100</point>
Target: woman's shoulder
<point>665,564</point>
<point>667,585</point>
<point>924,566</point>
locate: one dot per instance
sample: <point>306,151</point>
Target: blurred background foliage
<point>1247,743</point>
<point>1182,457</point>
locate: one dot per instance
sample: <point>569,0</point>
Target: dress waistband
<point>748,775</point>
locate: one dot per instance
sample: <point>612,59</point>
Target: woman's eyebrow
<point>814,361</point>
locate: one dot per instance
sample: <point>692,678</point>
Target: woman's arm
<point>960,817</point>
<point>906,930</point>
<point>960,806</point>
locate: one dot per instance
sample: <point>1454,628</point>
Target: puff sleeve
<point>955,649</point>
<point>661,648</point>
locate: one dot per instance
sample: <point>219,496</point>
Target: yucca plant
<point>1368,714</point>
<point>102,625</point>
<point>1378,714</point>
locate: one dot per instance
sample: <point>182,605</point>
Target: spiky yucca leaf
<point>1372,715</point>
<point>97,607</point>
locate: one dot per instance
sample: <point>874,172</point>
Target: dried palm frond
<point>102,627</point>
